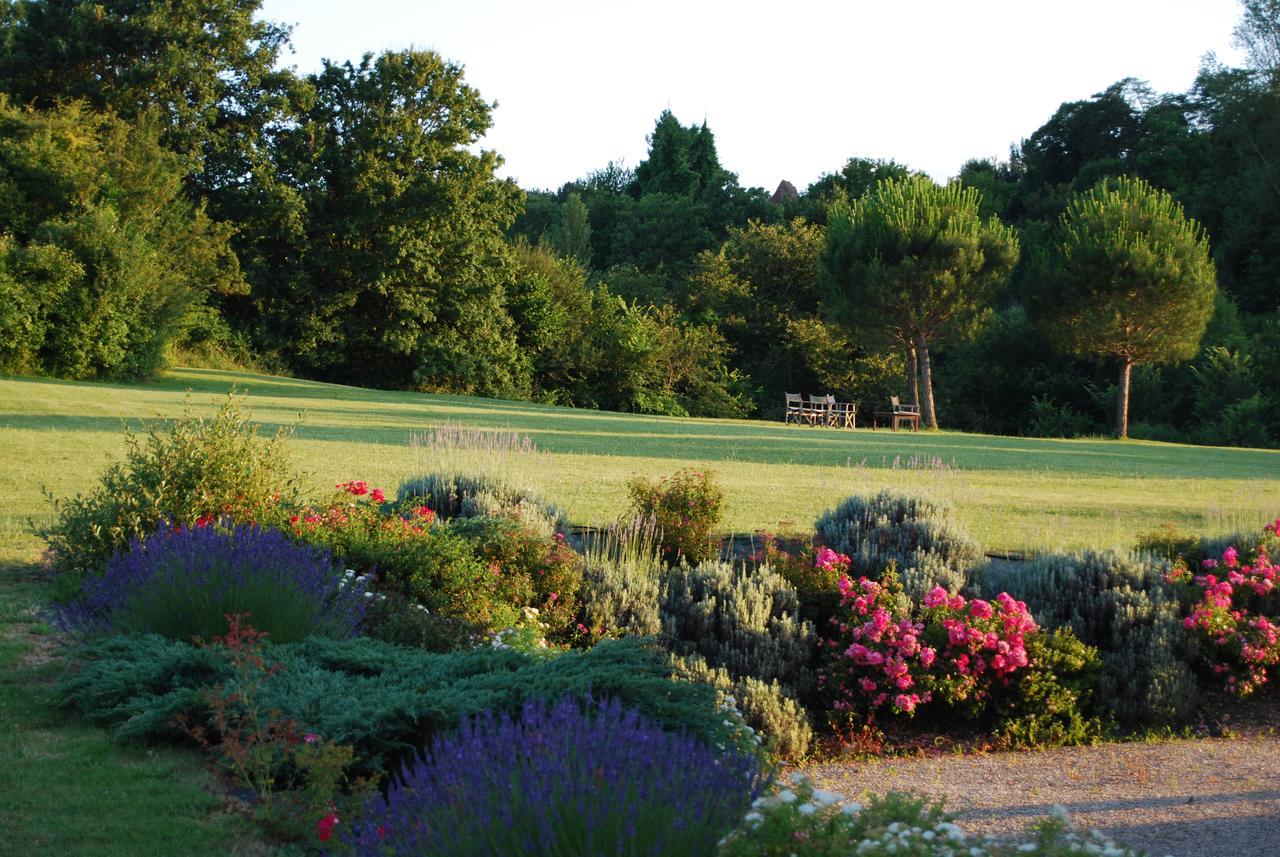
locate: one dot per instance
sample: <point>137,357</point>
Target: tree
<point>1258,34</point>
<point>102,260</point>
<point>401,273</point>
<point>199,65</point>
<point>1129,278</point>
<point>915,261</point>
<point>572,235</point>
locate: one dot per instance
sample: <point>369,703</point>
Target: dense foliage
<point>183,583</point>
<point>345,225</point>
<point>179,473</point>
<point>558,779</point>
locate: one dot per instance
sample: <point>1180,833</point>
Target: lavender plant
<point>183,583</point>
<point>560,782</point>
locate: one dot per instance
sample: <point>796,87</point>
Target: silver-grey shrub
<point>920,536</point>
<point>473,496</point>
<point>622,572</point>
<point>1119,602</point>
<point>766,706</point>
<point>745,620</point>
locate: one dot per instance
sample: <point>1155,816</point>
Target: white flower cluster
<point>871,834</point>
<point>527,634</point>
<point>350,578</point>
<point>742,735</point>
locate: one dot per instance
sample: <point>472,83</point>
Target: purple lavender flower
<point>557,780</point>
<point>182,584</point>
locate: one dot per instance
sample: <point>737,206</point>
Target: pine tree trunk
<point>927,414</point>
<point>1122,399</point>
<point>913,376</point>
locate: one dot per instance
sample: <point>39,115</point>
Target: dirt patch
<point>1185,798</point>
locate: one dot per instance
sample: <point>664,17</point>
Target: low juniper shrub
<point>383,700</point>
<point>182,584</point>
<point>558,780</point>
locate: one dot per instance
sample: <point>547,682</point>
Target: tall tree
<point>400,278</point>
<point>917,260</point>
<point>1129,278</point>
<point>197,64</point>
<point>1258,34</point>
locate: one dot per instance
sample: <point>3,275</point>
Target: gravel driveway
<point>1193,798</point>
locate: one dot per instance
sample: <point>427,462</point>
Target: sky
<point>791,90</point>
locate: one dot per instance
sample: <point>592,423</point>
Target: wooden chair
<point>898,414</point>
<point>845,415</point>
<point>819,410</point>
<point>795,408</point>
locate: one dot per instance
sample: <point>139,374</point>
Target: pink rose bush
<point>883,656</point>
<point>1233,595</point>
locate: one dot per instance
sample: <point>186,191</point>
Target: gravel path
<point>1195,798</point>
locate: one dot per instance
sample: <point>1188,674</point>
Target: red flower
<point>324,827</point>
<point>354,487</point>
<point>377,496</point>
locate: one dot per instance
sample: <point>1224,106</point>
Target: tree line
<point>166,188</point>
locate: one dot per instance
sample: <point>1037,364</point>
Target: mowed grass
<point>67,787</point>
<point>1014,494</point>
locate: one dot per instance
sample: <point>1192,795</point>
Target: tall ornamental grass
<point>559,781</point>
<point>183,583</point>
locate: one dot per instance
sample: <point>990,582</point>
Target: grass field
<point>1012,493</point>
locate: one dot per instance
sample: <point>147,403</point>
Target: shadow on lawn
<point>339,414</point>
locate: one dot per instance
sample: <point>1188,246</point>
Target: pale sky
<point>791,89</point>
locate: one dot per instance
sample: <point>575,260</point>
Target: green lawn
<point>1012,493</point>
<point>67,788</point>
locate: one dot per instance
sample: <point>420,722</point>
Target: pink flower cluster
<point>982,640</point>
<point>953,650</point>
<point>1243,644</point>
<point>829,560</point>
<point>875,668</point>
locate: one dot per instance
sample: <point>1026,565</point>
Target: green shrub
<point>765,706</point>
<point>1120,603</point>
<point>921,537</point>
<point>1168,542</point>
<point>1046,418</point>
<point>548,567</point>
<point>744,620</point>
<point>687,507</point>
<point>179,472</point>
<point>383,700</point>
<point>817,586</point>
<point>473,496</point>
<point>1053,701</point>
<point>394,618</point>
<point>621,582</point>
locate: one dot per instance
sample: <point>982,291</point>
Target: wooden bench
<point>898,415</point>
